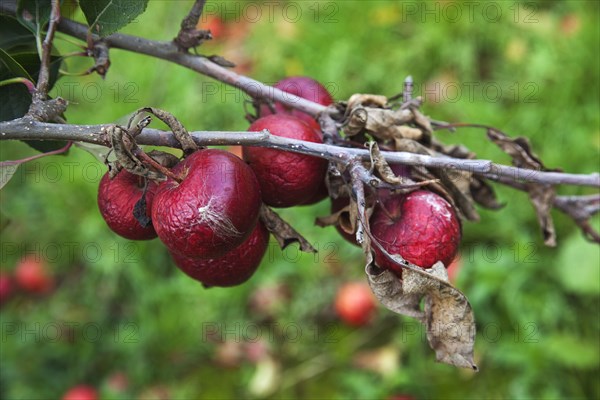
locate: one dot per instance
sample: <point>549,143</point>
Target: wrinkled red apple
<point>421,226</point>
<point>233,268</point>
<point>286,179</point>
<point>301,86</point>
<point>116,200</point>
<point>214,208</point>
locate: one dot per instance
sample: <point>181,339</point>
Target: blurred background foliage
<point>122,312</point>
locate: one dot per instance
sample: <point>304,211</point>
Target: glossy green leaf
<point>108,16</point>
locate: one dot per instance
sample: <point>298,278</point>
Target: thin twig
<point>189,36</point>
<point>191,20</point>
<point>41,92</point>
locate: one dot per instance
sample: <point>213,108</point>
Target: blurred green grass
<point>533,73</point>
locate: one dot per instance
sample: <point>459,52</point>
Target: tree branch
<point>28,129</point>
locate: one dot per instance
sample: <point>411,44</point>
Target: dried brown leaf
<point>423,122</point>
<point>483,193</point>
<point>387,124</point>
<point>282,231</point>
<point>447,314</point>
<point>382,166</point>
<point>517,148</point>
<point>369,100</point>
<point>356,122</point>
<point>542,197</point>
<point>340,218</point>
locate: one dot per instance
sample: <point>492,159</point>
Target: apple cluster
<point>207,212</point>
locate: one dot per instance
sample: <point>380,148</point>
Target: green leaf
<point>577,266</point>
<point>14,99</point>
<point>12,68</point>
<point>108,16</point>
<point>34,14</point>
<point>13,36</point>
<point>6,173</point>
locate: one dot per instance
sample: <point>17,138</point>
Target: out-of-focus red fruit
<point>81,392</point>
<point>6,287</point>
<point>212,210</point>
<point>421,226</point>
<point>286,179</point>
<point>234,268</point>
<point>355,303</point>
<point>215,25</point>
<point>116,200</point>
<point>32,275</point>
<point>301,86</point>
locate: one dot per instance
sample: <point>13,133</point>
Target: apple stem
<point>155,165</point>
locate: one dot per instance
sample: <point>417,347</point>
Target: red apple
<point>355,303</point>
<point>116,200</point>
<point>286,179</point>
<point>212,210</point>
<point>301,86</point>
<point>81,392</point>
<point>234,268</point>
<point>32,275</point>
<point>421,226</point>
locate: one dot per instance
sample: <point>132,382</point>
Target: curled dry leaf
<point>447,314</point>
<point>382,166</point>
<point>483,193</point>
<point>283,232</point>
<point>368,100</point>
<point>541,196</point>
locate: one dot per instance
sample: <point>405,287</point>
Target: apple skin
<point>6,287</point>
<point>355,303</point>
<point>214,208</point>
<point>116,200</point>
<point>286,179</point>
<point>81,392</point>
<point>234,268</point>
<point>423,229</point>
<point>301,86</point>
<point>31,274</point>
